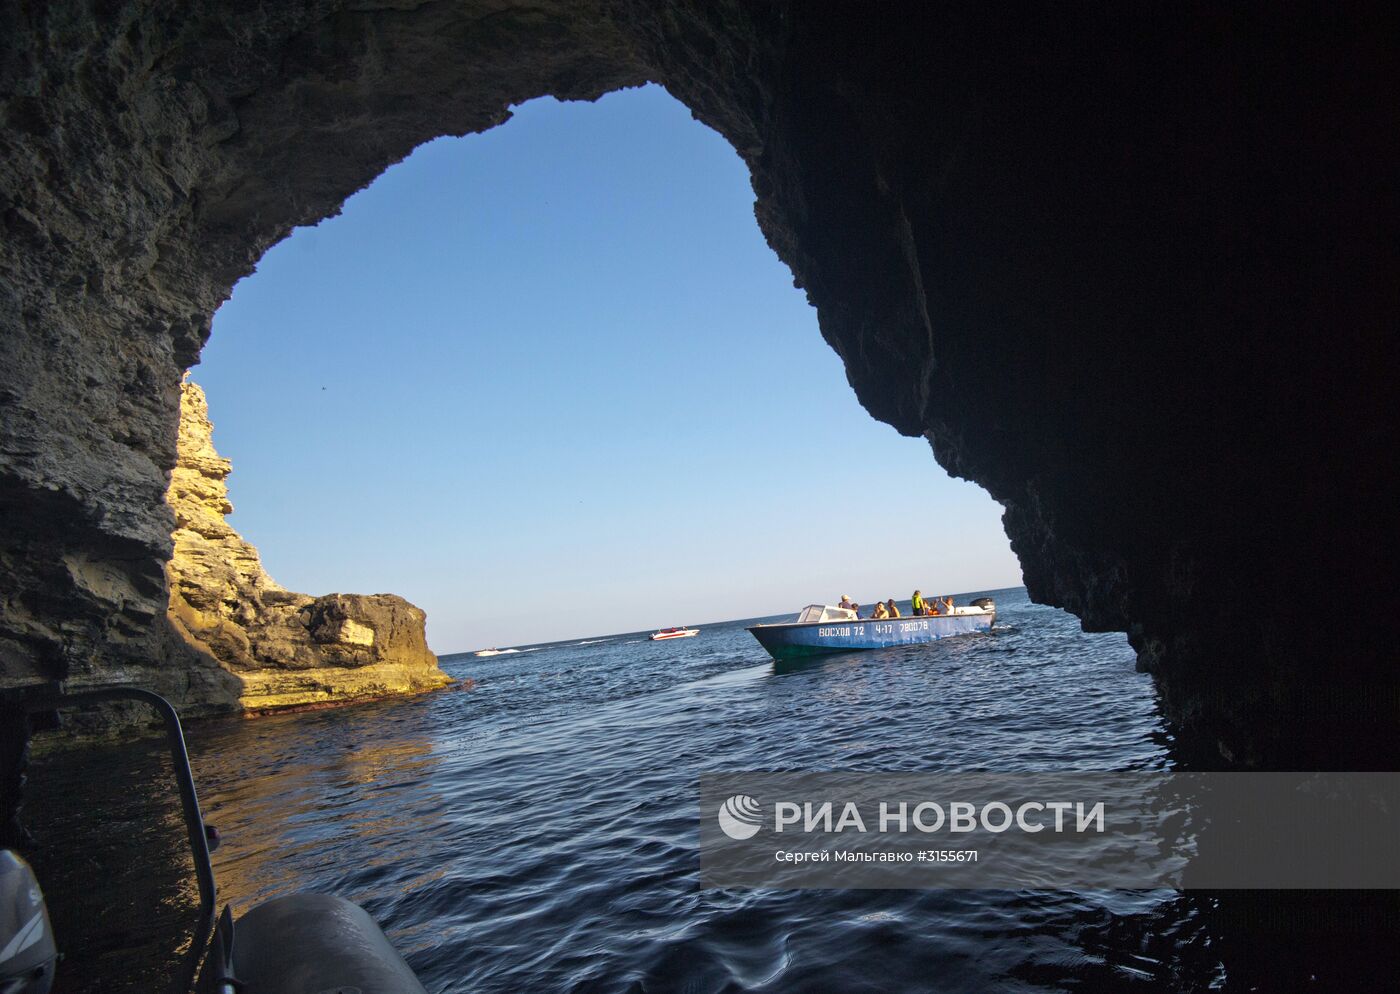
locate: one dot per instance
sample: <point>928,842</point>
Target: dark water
<point>539,831</point>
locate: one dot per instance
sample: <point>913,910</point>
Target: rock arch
<point>1132,275</point>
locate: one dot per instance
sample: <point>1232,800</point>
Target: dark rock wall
<point>1133,270</point>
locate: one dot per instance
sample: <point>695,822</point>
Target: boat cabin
<point>815,613</point>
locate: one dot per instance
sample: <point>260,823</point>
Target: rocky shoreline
<point>285,649</point>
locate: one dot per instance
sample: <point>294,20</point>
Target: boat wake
<point>592,641</point>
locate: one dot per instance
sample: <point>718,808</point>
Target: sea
<point>538,829</point>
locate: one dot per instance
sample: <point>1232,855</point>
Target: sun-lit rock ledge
<point>287,649</point>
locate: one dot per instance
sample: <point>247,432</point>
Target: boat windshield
<point>813,613</point>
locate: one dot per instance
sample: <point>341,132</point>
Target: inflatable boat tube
<point>306,943</point>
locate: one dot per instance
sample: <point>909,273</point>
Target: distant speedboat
<point>820,628</point>
<point>673,633</point>
<point>494,652</point>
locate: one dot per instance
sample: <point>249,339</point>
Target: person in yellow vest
<point>916,605</point>
<point>893,611</point>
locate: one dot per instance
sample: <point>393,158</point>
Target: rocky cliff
<point>286,649</point>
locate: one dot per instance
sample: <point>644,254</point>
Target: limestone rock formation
<point>286,649</point>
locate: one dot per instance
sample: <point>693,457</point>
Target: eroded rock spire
<point>287,649</point>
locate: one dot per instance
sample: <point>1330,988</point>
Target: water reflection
<point>339,804</point>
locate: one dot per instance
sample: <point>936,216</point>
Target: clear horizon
<point>550,381</point>
<point>700,624</point>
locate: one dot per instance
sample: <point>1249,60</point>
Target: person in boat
<point>891,610</point>
<point>916,605</point>
<point>947,605</point>
<point>847,603</point>
<point>881,612</point>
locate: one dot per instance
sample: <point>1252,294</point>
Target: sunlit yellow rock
<point>287,649</point>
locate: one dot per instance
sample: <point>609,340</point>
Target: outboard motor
<point>27,950</point>
<point>985,602</point>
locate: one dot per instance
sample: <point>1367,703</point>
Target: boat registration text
<point>879,628</point>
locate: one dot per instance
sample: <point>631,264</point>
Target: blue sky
<point>549,381</point>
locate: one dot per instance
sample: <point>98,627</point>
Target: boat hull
<point>794,641</point>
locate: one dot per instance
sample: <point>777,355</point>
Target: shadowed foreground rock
<point>287,649</point>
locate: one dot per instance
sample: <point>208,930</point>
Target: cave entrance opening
<point>549,381</point>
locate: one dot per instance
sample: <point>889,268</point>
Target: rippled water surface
<point>539,831</point>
